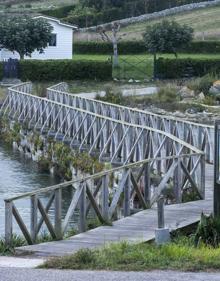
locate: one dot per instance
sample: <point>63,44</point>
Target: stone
<point>186,93</point>
<point>201,96</point>
<point>130,81</point>
<point>162,236</point>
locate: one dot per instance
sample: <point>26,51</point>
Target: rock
<point>137,81</point>
<point>178,114</point>
<point>186,93</point>
<point>201,96</point>
<point>130,81</point>
<point>215,89</point>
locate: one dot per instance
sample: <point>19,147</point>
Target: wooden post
<point>147,183</point>
<point>8,223</point>
<point>160,212</point>
<point>216,170</point>
<point>58,213</point>
<point>34,208</point>
<point>105,197</point>
<point>202,176</point>
<point>177,183</point>
<point>82,209</point>
<point>127,195</point>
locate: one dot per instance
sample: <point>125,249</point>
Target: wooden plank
<point>82,209</point>
<point>139,194</point>
<point>46,219</point>
<point>8,223</point>
<point>94,205</point>
<point>58,213</point>
<point>191,180</point>
<point>21,224</point>
<point>34,209</point>
<point>105,197</point>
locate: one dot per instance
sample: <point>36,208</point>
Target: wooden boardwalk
<point>136,228</point>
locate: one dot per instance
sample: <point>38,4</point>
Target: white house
<point>60,47</point>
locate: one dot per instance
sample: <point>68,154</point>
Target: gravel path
<point>12,274</point>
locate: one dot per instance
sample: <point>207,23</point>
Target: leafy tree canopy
<point>24,35</point>
<point>167,37</point>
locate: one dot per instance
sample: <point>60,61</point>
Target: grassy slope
<point>203,20</point>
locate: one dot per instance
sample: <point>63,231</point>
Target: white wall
<point>63,50</point>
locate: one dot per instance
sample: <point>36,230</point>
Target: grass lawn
<point>179,255</point>
<point>139,66</point>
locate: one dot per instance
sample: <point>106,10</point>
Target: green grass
<point>180,255</point>
<point>139,66</point>
<point>203,20</point>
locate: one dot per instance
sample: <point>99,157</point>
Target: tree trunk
<point>21,56</point>
<point>115,53</point>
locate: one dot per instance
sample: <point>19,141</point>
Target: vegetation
<point>138,47</point>
<point>55,70</point>
<point>94,12</point>
<point>24,34</point>
<point>112,96</point>
<point>178,255</point>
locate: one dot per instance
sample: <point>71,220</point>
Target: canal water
<point>19,175</point>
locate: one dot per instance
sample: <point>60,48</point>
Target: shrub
<point>185,68</point>
<point>112,96</point>
<point>202,84</point>
<point>167,94</point>
<point>52,70</point>
<point>208,231</point>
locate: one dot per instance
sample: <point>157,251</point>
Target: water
<point>19,175</point>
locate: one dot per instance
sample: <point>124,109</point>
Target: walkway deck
<point>136,228</point>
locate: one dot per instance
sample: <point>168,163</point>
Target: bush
<point>167,94</point>
<point>185,68</point>
<point>59,12</point>
<point>51,70</point>
<point>202,84</point>
<point>111,96</point>
<point>138,47</point>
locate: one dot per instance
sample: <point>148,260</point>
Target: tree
<point>114,39</point>
<point>166,37</point>
<point>24,35</point>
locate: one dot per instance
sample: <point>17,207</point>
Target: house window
<point>53,40</point>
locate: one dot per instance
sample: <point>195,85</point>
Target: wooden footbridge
<point>140,145</point>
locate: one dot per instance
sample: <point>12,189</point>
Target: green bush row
<point>36,70</point>
<point>138,47</point>
<point>180,68</point>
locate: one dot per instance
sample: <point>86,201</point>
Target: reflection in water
<point>19,175</point>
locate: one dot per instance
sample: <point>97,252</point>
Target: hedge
<point>137,47</point>
<point>59,12</point>
<point>50,70</point>
<point>184,68</point>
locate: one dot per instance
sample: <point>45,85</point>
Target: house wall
<point>63,50</point>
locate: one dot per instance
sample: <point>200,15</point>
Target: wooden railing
<point>198,135</point>
<point>142,153</point>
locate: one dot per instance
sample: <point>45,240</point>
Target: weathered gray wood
<point>177,183</point>
<point>72,207</point>
<point>46,219</point>
<point>191,180</point>
<point>94,205</point>
<point>82,209</point>
<point>99,184</point>
<point>8,223</point>
<point>139,194</point>
<point>147,183</point>
<point>58,213</point>
<point>47,208</point>
<point>21,225</point>
<point>127,195</point>
<point>160,212</point>
<point>34,217</point>
<point>105,197</point>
